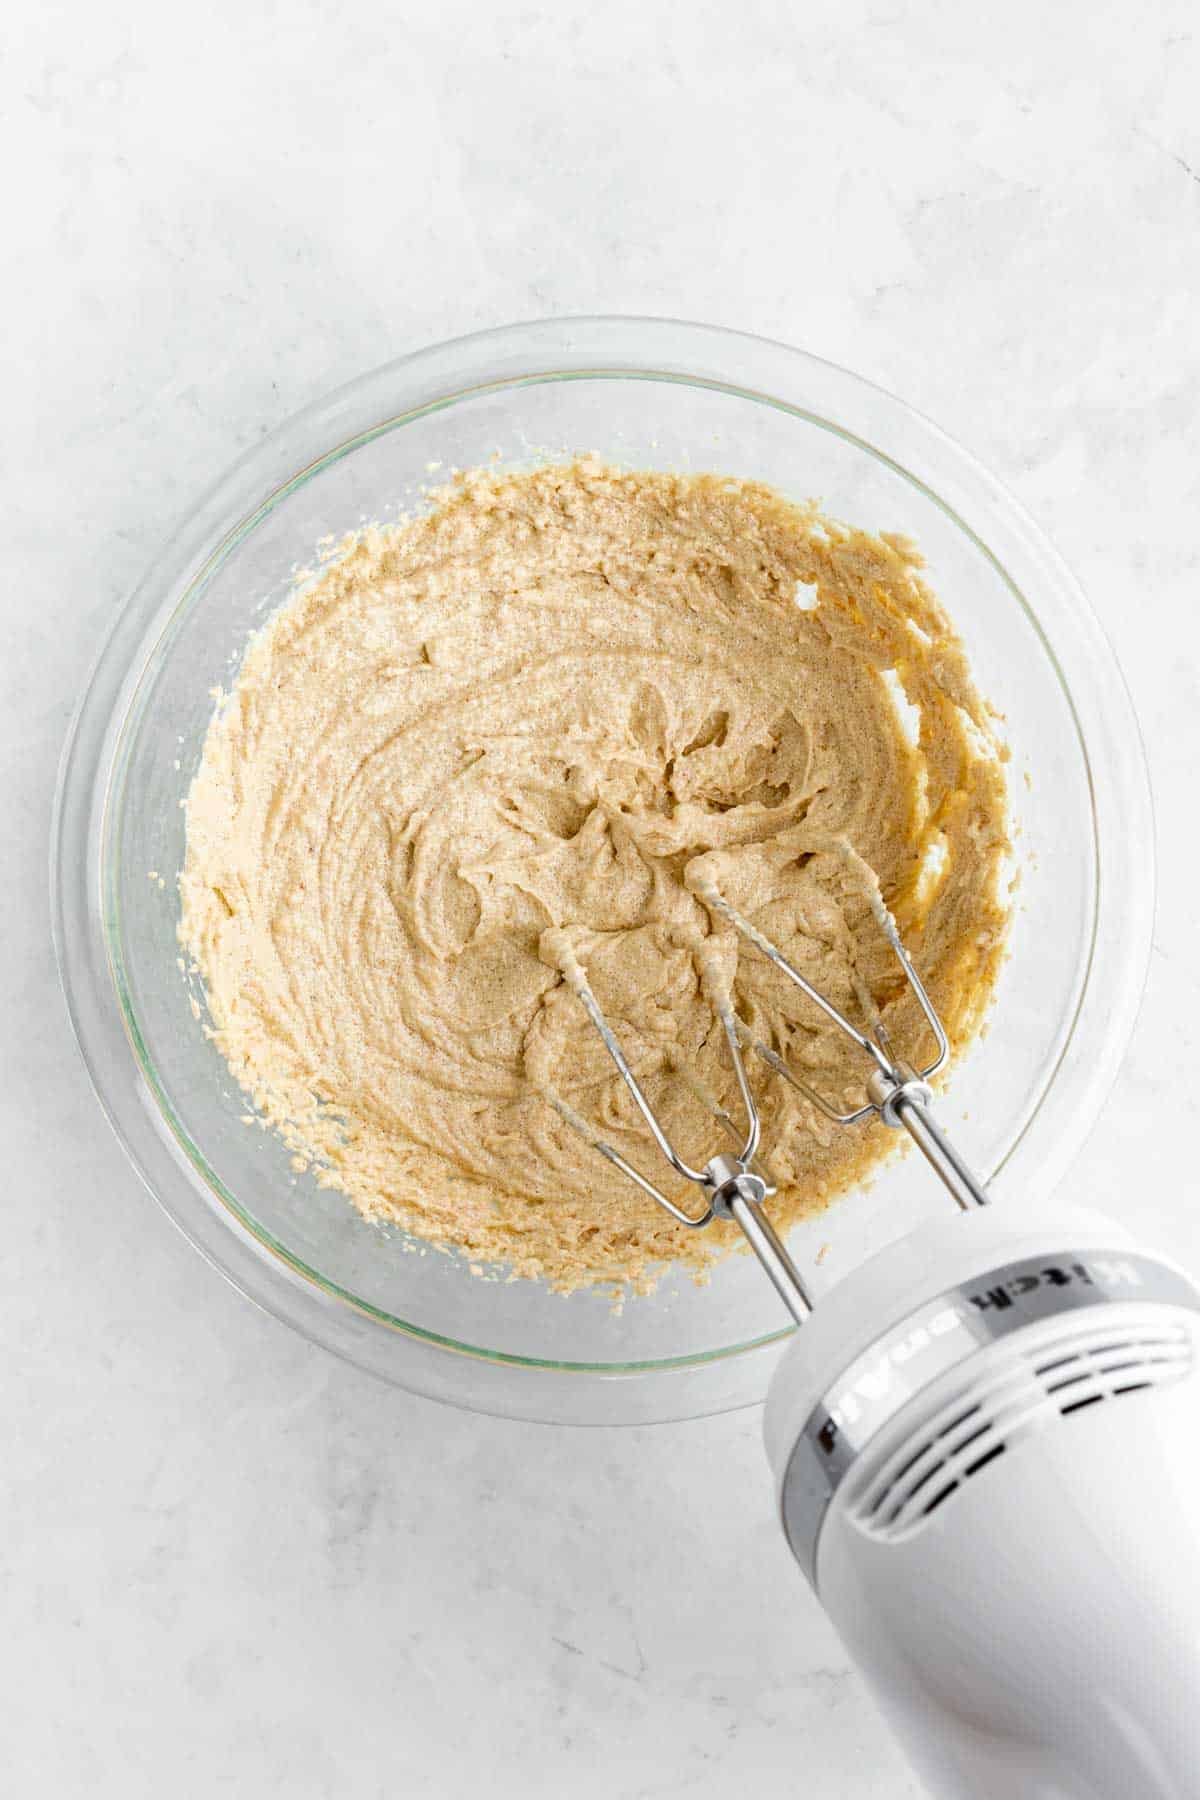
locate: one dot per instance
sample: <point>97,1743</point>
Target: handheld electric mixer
<point>986,1448</point>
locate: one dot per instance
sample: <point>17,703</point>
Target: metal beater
<point>896,1092</point>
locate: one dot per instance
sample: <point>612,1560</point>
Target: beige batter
<point>538,720</point>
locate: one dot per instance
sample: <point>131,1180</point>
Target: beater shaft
<point>939,1152</point>
<point>771,1252</point>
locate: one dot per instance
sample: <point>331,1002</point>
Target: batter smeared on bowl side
<point>564,702</point>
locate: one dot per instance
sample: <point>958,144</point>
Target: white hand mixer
<point>986,1448</point>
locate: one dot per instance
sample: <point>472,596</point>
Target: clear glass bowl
<point>646,393</point>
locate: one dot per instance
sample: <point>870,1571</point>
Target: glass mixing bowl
<point>645,393</point>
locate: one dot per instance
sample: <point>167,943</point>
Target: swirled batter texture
<point>552,711</point>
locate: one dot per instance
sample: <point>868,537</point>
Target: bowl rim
<point>399,392</point>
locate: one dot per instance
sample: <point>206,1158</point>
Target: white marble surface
<point>229,1564</point>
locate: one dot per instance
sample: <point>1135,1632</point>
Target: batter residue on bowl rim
<point>560,702</point>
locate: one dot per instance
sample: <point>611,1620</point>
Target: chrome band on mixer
<point>942,1333</point>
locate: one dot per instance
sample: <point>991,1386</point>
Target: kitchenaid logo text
<point>884,1374</point>
<point>1105,1273</point>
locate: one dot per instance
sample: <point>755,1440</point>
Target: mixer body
<point>986,1443</point>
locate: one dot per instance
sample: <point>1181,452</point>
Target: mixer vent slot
<point>1021,1392</point>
